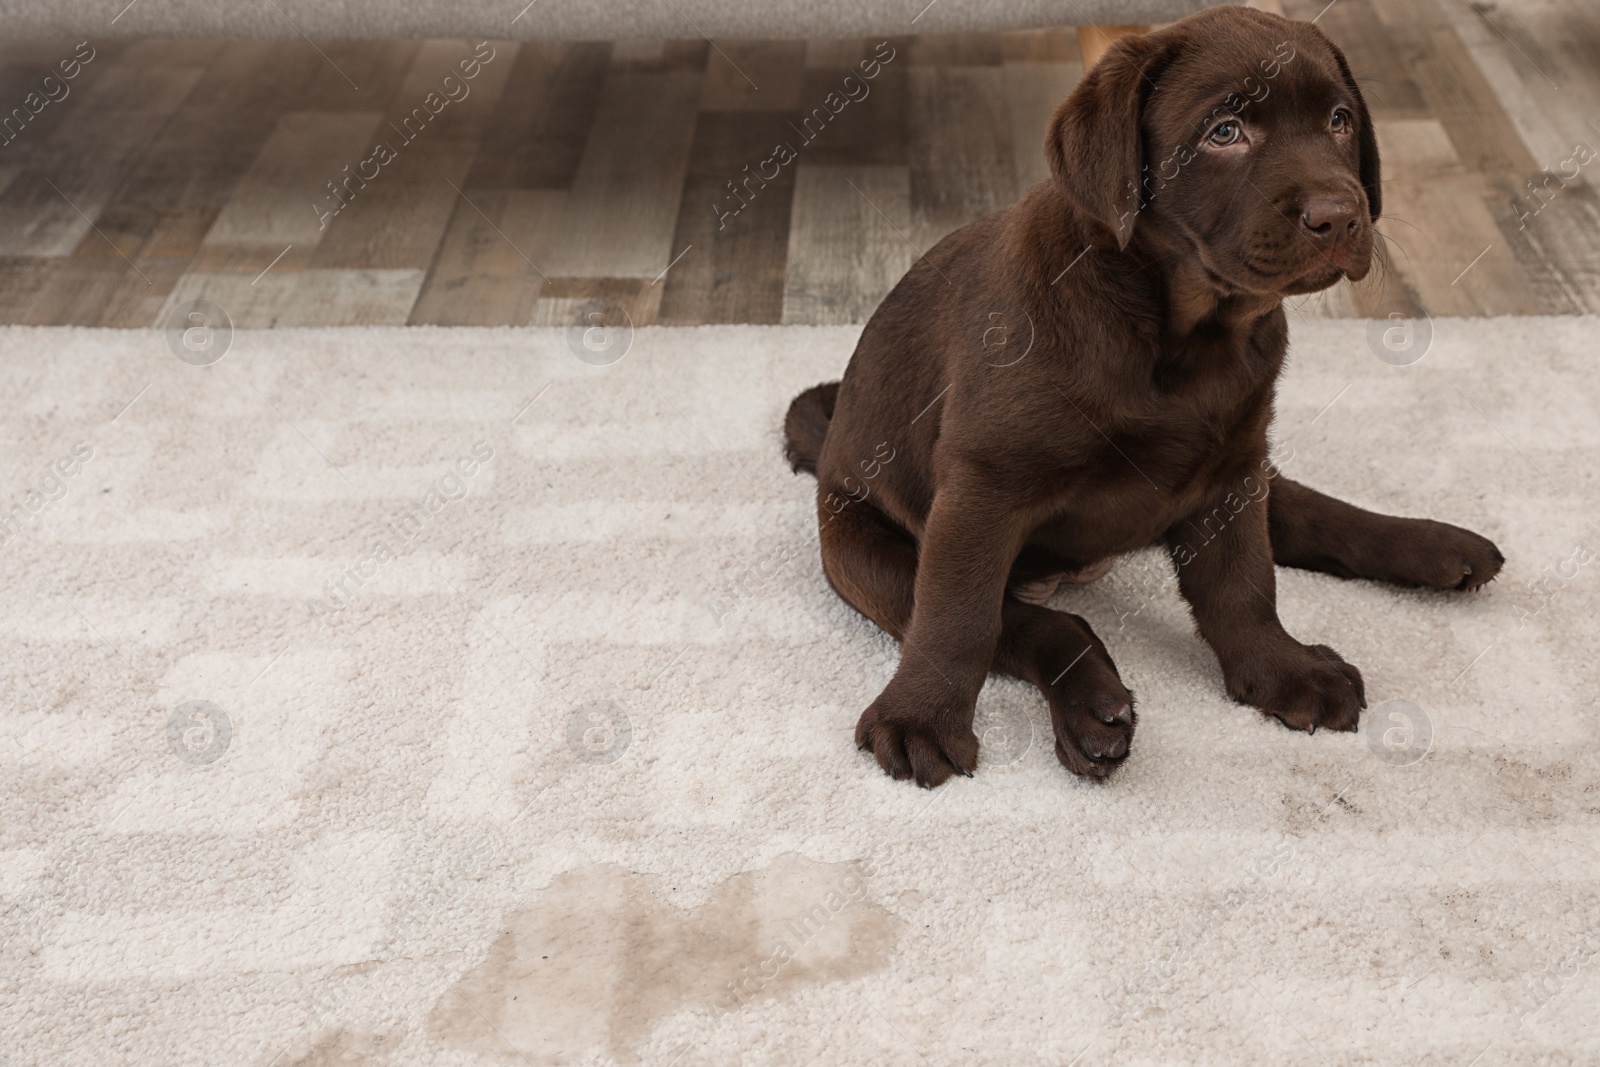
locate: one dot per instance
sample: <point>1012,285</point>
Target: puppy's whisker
<point>1381,254</point>
<point>1387,241</point>
<point>1377,278</point>
<point>1401,221</point>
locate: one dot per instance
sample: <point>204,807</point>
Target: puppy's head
<point>1235,132</point>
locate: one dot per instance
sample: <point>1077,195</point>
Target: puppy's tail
<point>806,426</point>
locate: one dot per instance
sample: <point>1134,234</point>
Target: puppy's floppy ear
<point>1371,175</point>
<point>1094,143</point>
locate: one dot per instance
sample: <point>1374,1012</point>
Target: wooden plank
<point>251,302</point>
<point>521,113</point>
<point>1556,244</point>
<point>132,302</point>
<point>256,79</point>
<point>1033,92</point>
<point>277,201</point>
<point>140,232</point>
<point>1551,116</point>
<point>1096,40</point>
<point>97,291</point>
<point>16,82</point>
<point>847,242</point>
<point>119,231</point>
<point>834,52</point>
<point>1464,104</point>
<point>658,54</point>
<point>961,155</point>
<point>195,160</point>
<point>24,74</point>
<point>1458,96</point>
<point>1549,216</point>
<point>49,208</point>
<point>753,76</point>
<point>1379,68</point>
<point>78,150</point>
<point>199,52</point>
<point>621,216</point>
<point>465,105</point>
<point>686,54</point>
<point>859,121</point>
<point>479,276</point>
<point>1450,228</point>
<point>251,260</point>
<point>159,231</point>
<point>397,220</point>
<point>302,298</point>
<point>954,50</point>
<point>351,298</point>
<point>53,290</point>
<point>178,232</point>
<point>130,87</point>
<point>171,194</point>
<point>637,53</point>
<point>565,301</point>
<point>1573,37</point>
<point>217,137</point>
<point>1055,45</point>
<point>348,75</point>
<point>733,270</point>
<point>27,284</point>
<point>539,131</point>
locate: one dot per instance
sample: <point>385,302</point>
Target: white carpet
<point>577,758</point>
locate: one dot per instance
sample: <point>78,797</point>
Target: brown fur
<point>1006,420</point>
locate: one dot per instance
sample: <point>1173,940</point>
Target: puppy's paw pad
<point>1093,749</point>
<point>1094,730</point>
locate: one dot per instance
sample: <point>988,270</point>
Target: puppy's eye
<point>1340,123</point>
<point>1225,133</point>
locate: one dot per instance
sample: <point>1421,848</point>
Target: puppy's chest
<point>1211,371</point>
<point>1204,403</point>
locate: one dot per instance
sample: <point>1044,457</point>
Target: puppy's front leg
<point>1225,571</point>
<point>920,726</point>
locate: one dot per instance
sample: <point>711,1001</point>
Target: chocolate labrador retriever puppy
<point>1091,371</point>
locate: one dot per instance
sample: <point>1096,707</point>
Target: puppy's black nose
<point>1330,218</point>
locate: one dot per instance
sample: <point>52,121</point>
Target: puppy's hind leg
<point>871,562</point>
<point>1090,709</point>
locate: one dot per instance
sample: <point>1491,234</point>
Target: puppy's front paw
<point>910,741</point>
<point>1437,555</point>
<point>1305,687</point>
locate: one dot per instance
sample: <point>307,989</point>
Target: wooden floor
<point>578,172</point>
